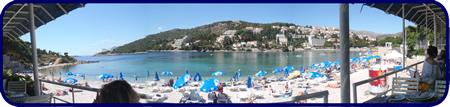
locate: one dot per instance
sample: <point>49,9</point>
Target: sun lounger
<point>242,88</point>
<point>234,88</point>
<point>193,88</point>
<point>222,98</point>
<point>259,95</point>
<point>194,97</point>
<point>300,79</point>
<point>155,89</point>
<point>185,97</point>
<point>159,97</point>
<point>211,97</point>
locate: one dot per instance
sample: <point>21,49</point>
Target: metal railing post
<point>355,100</point>
<point>42,88</point>
<point>73,96</point>
<point>325,99</point>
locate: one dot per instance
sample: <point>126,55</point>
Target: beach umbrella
<point>167,73</point>
<point>313,75</point>
<point>239,73</point>
<point>249,82</point>
<point>301,69</point>
<point>197,77</point>
<point>156,77</point>
<point>286,73</point>
<point>70,81</point>
<point>182,81</point>
<point>261,73</point>
<point>218,73</point>
<point>69,73</point>
<point>79,75</point>
<point>277,70</point>
<point>209,85</point>
<point>289,68</point>
<point>120,76</point>
<point>105,76</point>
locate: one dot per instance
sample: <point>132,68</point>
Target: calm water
<point>204,63</point>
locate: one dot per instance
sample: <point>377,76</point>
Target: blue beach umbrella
<point>182,81</point>
<point>209,85</point>
<point>156,77</point>
<point>105,76</point>
<point>70,81</point>
<point>277,70</point>
<point>218,73</point>
<point>261,73</point>
<point>301,69</point>
<point>313,75</point>
<point>249,82</point>
<point>167,73</point>
<point>120,76</point>
<point>289,68</point>
<point>197,77</point>
<point>69,73</point>
<point>237,75</point>
<point>79,75</point>
<point>286,73</point>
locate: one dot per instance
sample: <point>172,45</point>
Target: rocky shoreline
<point>67,64</point>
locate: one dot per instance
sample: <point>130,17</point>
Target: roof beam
<point>13,16</point>
<point>20,12</point>
<point>39,19</point>
<point>399,10</point>
<point>422,19</point>
<point>373,4</point>
<point>17,18</point>
<point>414,15</point>
<point>82,4</point>
<point>418,18</point>
<point>15,33</point>
<point>433,12</point>
<point>14,23</point>
<point>7,35</point>
<point>10,36</point>
<point>24,27</point>
<point>418,6</point>
<point>389,8</point>
<point>64,10</point>
<point>45,10</point>
<point>19,30</point>
<point>407,13</point>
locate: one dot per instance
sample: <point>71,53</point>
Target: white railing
<point>356,84</point>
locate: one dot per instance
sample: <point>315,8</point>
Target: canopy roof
<point>16,19</point>
<point>415,12</point>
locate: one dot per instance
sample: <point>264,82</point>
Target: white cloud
<point>160,28</point>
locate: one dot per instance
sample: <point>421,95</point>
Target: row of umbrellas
<point>327,64</point>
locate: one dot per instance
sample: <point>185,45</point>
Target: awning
<point>415,12</point>
<point>16,22</point>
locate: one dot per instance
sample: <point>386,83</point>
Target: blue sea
<point>205,63</point>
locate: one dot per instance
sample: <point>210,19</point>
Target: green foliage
<point>417,52</point>
<point>17,48</point>
<point>328,44</point>
<point>249,50</point>
<point>14,77</point>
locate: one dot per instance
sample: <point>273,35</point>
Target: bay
<point>203,62</point>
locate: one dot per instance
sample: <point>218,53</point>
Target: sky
<point>88,30</point>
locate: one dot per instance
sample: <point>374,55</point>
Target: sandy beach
<point>83,96</point>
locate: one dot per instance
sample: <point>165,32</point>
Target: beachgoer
<point>220,89</point>
<point>86,84</point>
<point>110,79</point>
<point>271,89</point>
<point>431,70</point>
<point>300,94</point>
<point>337,85</point>
<point>44,88</point>
<point>118,91</point>
<point>263,81</point>
<point>233,81</point>
<point>84,76</point>
<point>250,100</point>
<point>53,79</point>
<point>213,95</point>
<point>116,78</point>
<point>135,77</point>
<point>176,77</point>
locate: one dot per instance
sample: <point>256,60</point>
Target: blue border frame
<point>239,1</point>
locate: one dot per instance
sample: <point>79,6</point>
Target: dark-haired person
<point>431,70</point>
<point>118,91</point>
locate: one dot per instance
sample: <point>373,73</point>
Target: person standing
<point>135,77</point>
<point>84,76</point>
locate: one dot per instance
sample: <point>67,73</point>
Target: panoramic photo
<point>224,53</point>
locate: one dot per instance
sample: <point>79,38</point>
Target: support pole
<point>37,87</point>
<point>404,37</point>
<point>426,29</point>
<point>344,50</point>
<point>435,30</point>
